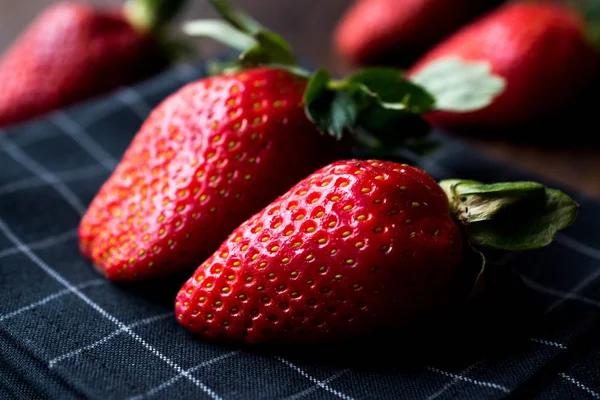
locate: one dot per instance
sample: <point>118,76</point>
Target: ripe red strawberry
<point>355,246</point>
<point>398,30</point>
<point>211,155</point>
<point>540,49</point>
<point>218,150</point>
<point>73,51</point>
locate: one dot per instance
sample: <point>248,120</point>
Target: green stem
<point>338,84</point>
<point>220,31</point>
<point>152,15</point>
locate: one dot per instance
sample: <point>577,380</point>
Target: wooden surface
<point>307,25</point>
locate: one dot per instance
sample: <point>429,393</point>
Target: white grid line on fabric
<point>314,380</point>
<point>177,377</point>
<point>580,385</point>
<point>316,387</point>
<point>549,343</point>
<point>66,176</point>
<point>557,293</point>
<point>107,109</point>
<point>56,276</point>
<point>577,246</point>
<point>134,100</point>
<point>32,165</point>
<point>95,282</point>
<point>42,244</point>
<point>464,372</point>
<point>105,339</point>
<point>26,140</point>
<point>70,127</point>
<point>490,385</point>
<point>454,381</point>
<point>562,295</point>
<point>575,290</point>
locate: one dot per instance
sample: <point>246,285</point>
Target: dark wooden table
<point>307,25</point>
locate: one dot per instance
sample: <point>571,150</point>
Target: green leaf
<point>378,101</point>
<point>394,128</point>
<point>534,230</point>
<point>459,86</point>
<point>333,111</point>
<point>220,31</point>
<point>509,216</point>
<point>390,107</point>
<point>393,91</point>
<point>271,48</point>
<point>237,18</point>
<point>317,86</point>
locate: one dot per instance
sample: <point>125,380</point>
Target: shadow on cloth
<point>490,326</point>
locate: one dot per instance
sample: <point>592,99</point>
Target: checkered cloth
<point>65,332</point>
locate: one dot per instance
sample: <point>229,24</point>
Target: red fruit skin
<point>207,158</point>
<point>538,48</point>
<point>356,246</point>
<point>69,53</point>
<point>373,30</point>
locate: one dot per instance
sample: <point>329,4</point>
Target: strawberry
<point>357,246</point>
<point>398,30</point>
<point>73,51</point>
<point>540,49</point>
<point>220,149</point>
<point>208,157</point>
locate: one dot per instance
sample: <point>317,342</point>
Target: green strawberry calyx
<point>372,103</point>
<point>510,216</point>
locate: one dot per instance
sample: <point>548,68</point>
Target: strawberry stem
<point>511,216</point>
<point>152,15</point>
<point>222,32</point>
<point>236,18</point>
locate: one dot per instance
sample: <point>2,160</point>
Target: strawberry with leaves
<point>545,51</point>
<point>359,246</point>
<point>73,51</point>
<point>218,150</point>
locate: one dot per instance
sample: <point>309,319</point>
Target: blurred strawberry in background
<point>542,49</point>
<point>75,50</point>
<point>396,31</point>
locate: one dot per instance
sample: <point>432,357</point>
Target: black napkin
<point>65,332</point>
